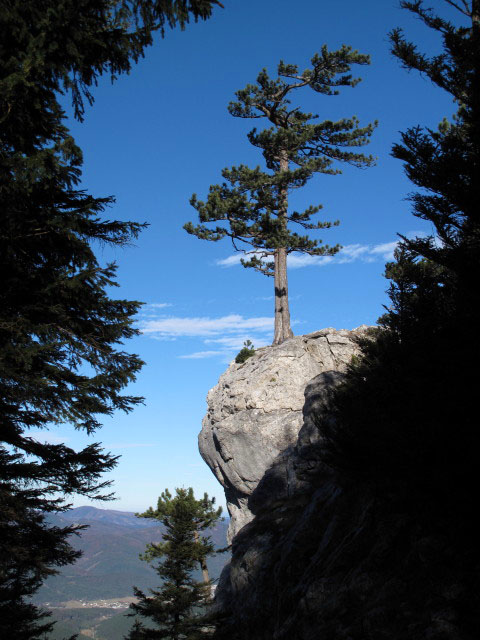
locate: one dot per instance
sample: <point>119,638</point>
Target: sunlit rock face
<point>255,411</point>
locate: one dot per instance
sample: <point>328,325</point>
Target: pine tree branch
<point>467,11</point>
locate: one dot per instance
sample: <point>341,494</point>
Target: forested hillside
<point>110,563</point>
<point>93,594</point>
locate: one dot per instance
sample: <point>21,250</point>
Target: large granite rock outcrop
<point>255,411</point>
<point>316,555</point>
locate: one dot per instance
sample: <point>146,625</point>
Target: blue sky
<point>155,137</point>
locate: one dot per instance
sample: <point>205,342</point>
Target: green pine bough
<point>62,360</point>
<point>179,608</point>
<point>253,203</point>
<point>247,351</point>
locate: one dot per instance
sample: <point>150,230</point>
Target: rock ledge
<point>255,411</point>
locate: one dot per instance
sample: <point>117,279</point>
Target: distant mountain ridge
<point>89,515</point>
<point>110,564</point>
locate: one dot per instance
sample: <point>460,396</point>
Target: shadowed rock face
<point>315,555</point>
<point>255,411</point>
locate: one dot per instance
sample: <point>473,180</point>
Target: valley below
<point>91,598</point>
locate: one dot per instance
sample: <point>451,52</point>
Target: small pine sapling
<point>245,353</point>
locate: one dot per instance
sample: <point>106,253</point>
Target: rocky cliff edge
<point>255,411</point>
<point>316,554</point>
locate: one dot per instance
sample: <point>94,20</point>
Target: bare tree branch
<point>466,11</point>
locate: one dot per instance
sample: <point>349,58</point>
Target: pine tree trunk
<point>282,330</point>
<point>476,13</point>
<point>204,568</point>
<point>175,633</point>
<point>282,311</point>
<point>202,562</point>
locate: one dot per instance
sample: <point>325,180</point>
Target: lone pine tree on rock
<point>174,608</point>
<point>254,202</point>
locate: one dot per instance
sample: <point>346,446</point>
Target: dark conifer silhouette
<point>403,432</point>
<point>61,332</point>
<point>404,418</point>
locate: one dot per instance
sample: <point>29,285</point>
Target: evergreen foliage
<point>405,418</point>
<point>174,608</point>
<point>254,203</point>
<point>245,353</point>
<point>61,334</point>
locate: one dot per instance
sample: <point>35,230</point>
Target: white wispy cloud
<point>223,336</point>
<point>150,310</point>
<point>300,260</point>
<point>236,342</point>
<point>46,437</point>
<point>228,346</point>
<point>349,253</point>
<point>174,326</point>
<point>231,261</point>
<point>385,250</point>
<point>200,355</point>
